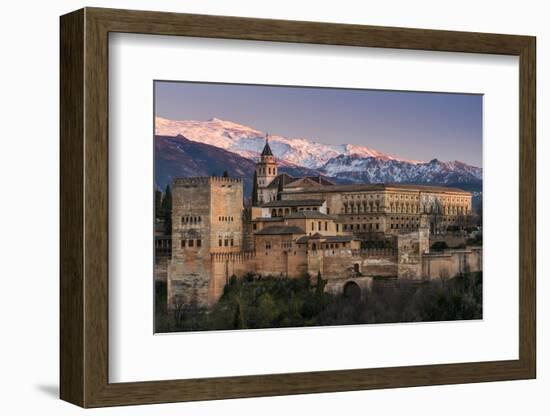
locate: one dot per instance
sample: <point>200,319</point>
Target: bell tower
<point>266,171</point>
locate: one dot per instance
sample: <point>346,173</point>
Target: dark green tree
<point>158,204</point>
<point>280,188</point>
<point>238,317</point>
<point>167,210</point>
<point>254,190</point>
<point>320,285</point>
<point>225,174</point>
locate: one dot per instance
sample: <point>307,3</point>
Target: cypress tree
<point>167,210</point>
<point>280,188</point>
<point>254,190</point>
<point>158,204</point>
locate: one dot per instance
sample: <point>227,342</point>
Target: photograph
<point>282,206</point>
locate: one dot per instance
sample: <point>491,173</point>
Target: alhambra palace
<point>353,235</point>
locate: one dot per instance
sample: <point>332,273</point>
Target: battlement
<point>238,257</point>
<point>203,180</point>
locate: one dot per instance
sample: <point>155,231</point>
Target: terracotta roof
<point>328,238</point>
<point>280,230</point>
<point>289,181</point>
<point>285,177</point>
<point>295,203</point>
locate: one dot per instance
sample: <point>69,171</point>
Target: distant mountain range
<point>195,148</point>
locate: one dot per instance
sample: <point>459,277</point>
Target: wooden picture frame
<point>84,207</point>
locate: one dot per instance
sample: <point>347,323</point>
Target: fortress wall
<point>225,265</point>
<point>451,263</point>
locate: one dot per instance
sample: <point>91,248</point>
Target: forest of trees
<point>272,302</point>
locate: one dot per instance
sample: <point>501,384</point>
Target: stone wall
<point>452,262</point>
<point>225,265</point>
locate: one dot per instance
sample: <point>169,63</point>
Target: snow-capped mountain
<point>357,168</point>
<point>230,146</point>
<point>248,142</point>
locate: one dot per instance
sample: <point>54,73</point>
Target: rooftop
<point>378,187</point>
<point>280,230</point>
<point>328,238</point>
<point>291,181</point>
<point>295,203</point>
<point>267,150</point>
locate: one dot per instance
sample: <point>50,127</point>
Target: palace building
<point>349,234</point>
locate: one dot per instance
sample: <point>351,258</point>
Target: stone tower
<point>206,218</point>
<point>266,171</point>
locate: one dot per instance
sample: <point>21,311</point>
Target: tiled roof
<point>328,238</point>
<point>294,203</point>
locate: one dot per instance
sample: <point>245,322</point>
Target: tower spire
<point>267,149</point>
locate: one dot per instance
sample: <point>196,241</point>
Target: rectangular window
<point>326,225</point>
<point>220,242</point>
<point>319,225</point>
<point>254,226</point>
<point>199,243</point>
<point>337,227</point>
<point>312,226</point>
<point>182,243</point>
<point>191,243</point>
<point>226,242</point>
<point>328,211</point>
<point>231,242</point>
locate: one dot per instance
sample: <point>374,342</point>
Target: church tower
<point>266,171</point>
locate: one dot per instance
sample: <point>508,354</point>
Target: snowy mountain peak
<point>248,142</point>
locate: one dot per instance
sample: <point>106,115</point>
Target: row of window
<point>225,219</point>
<point>288,245</point>
<point>191,243</point>
<point>325,246</point>
<point>262,171</point>
<point>319,225</point>
<point>406,225</point>
<point>228,242</point>
<point>163,243</point>
<point>187,219</point>
<point>359,196</point>
<point>400,197</point>
<point>286,211</point>
<point>361,207</point>
<point>361,227</point>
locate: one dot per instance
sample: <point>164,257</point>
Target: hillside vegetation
<point>268,302</point>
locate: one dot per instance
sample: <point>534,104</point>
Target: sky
<point>410,125</point>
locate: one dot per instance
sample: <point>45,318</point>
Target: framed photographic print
<point>261,207</point>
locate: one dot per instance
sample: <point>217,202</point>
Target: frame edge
<point>71,216</point>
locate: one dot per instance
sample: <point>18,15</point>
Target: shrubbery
<point>439,246</point>
<point>268,302</point>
